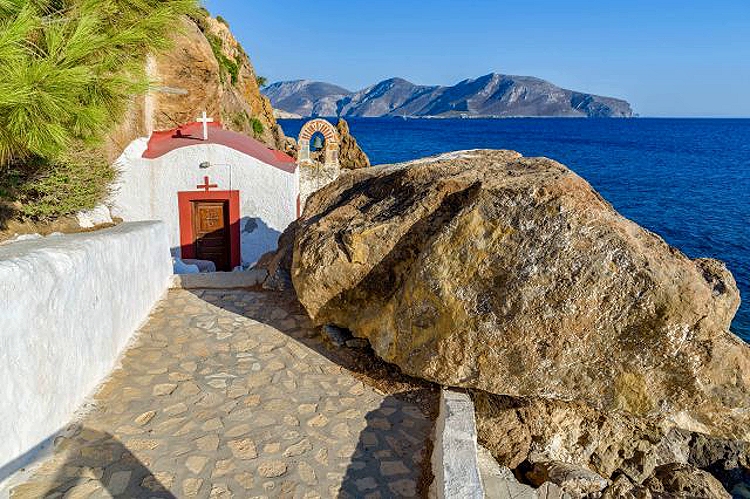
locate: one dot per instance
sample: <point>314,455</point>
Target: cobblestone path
<point>230,394</point>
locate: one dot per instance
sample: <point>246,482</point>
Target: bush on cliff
<point>70,69</point>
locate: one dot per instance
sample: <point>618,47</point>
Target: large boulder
<point>488,270</point>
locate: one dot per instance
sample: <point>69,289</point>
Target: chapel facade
<point>224,196</point>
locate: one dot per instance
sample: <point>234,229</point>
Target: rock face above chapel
<point>190,81</point>
<point>511,275</point>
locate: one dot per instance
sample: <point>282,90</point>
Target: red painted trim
<point>191,134</point>
<point>187,238</point>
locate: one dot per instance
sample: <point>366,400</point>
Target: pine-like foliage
<point>69,67</point>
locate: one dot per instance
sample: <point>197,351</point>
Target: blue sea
<point>685,179</point>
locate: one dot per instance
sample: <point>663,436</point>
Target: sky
<point>667,58</point>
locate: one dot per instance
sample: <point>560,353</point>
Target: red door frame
<point>187,238</point>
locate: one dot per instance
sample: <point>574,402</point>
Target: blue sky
<point>668,58</point>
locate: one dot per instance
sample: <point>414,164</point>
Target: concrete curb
<point>454,457</point>
<point>219,280</point>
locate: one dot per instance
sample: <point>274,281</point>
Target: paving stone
<point>307,408</point>
<point>404,488</point>
<point>237,431</point>
<point>118,482</point>
<point>130,430</point>
<point>245,479</point>
<point>272,448</point>
<point>208,443</point>
<point>223,467</point>
<point>220,491</point>
<point>390,468</point>
<point>318,421</point>
<point>243,449</point>
<point>164,389</point>
<point>291,420</point>
<point>272,469</point>
<point>158,482</point>
<point>176,409</point>
<point>367,483</point>
<point>142,444</point>
<point>191,487</point>
<point>322,456</point>
<point>212,424</point>
<point>298,449</point>
<point>307,473</point>
<point>196,463</point>
<point>145,418</point>
<point>178,376</point>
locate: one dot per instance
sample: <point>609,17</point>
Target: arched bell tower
<point>331,146</point>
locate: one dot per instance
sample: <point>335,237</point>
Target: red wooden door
<point>211,232</point>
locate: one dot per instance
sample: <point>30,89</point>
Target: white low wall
<point>454,456</point>
<point>69,306</point>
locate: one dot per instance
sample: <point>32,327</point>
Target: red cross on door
<point>206,186</point>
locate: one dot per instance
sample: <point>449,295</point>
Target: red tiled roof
<point>191,134</point>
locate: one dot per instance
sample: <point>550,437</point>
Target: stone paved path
<point>221,396</point>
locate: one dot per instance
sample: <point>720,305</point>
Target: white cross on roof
<point>205,120</point>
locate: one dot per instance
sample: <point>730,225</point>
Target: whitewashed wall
<point>69,306</point>
<point>147,190</point>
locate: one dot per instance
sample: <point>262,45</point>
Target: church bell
<point>317,143</point>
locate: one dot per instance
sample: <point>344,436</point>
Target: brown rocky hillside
<point>206,70</point>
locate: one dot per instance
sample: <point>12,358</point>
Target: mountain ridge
<point>493,95</point>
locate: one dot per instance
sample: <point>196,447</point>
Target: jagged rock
<point>727,460</point>
<point>291,147</point>
<point>357,343</point>
<point>610,444</point>
<point>336,335</point>
<point>487,270</point>
<point>677,481</point>
<point>499,482</point>
<point>575,480</point>
<point>351,156</point>
<point>624,488</point>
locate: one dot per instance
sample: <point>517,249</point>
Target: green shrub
<point>44,190</point>
<point>222,21</point>
<point>241,121</point>
<point>226,65</point>
<point>262,81</point>
<point>257,127</point>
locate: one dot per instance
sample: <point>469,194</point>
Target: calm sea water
<point>685,179</point>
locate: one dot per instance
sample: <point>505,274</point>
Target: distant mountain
<point>493,95</point>
<point>306,98</point>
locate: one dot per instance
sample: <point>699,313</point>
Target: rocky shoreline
<point>591,347</point>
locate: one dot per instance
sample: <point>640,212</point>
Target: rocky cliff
<point>205,70</point>
<point>493,95</point>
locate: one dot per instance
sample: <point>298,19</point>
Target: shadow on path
<point>391,459</point>
<point>94,462</point>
